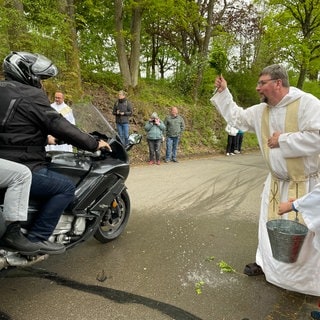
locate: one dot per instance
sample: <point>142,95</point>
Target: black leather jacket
<point>26,118</point>
<point>122,105</point>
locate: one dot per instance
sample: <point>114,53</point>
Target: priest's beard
<point>264,99</point>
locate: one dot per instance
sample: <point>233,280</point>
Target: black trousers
<point>231,144</point>
<point>154,149</point>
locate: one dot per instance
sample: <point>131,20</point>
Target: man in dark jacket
<point>26,120</point>
<point>122,110</point>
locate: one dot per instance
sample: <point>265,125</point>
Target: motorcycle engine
<point>70,224</point>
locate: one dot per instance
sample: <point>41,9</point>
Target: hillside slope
<point>204,135</point>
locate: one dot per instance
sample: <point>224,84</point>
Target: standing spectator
<point>238,145</point>
<point>60,106</point>
<point>122,110</point>
<point>154,128</point>
<point>174,124</point>
<point>231,143</point>
<point>287,124</point>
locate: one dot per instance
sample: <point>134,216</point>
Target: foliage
<point>184,79</point>
<point>242,85</point>
<point>218,59</point>
<point>312,87</point>
<point>225,267</point>
<point>175,55</point>
<point>210,258</point>
<point>198,287</point>
<point>112,80</point>
<point>294,29</point>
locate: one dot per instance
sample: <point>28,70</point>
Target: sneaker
<point>158,162</point>
<point>166,161</point>
<point>151,162</point>
<point>228,154</point>
<point>175,160</point>
<point>236,151</point>
<point>232,154</point>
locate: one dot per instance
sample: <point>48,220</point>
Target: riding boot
<point>14,239</point>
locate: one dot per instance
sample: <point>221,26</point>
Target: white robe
<point>70,117</point>
<point>304,275</point>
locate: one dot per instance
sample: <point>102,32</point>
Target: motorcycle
<point>101,206</point>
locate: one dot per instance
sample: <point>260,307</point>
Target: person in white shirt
<point>60,106</point>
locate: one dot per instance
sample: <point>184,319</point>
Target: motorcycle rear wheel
<point>115,219</point>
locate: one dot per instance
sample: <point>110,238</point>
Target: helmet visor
<point>44,68</point>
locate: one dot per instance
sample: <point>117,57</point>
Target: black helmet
<point>28,68</point>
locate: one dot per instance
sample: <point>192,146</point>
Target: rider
<point>26,120</point>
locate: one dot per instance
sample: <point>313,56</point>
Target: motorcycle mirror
<point>135,138</point>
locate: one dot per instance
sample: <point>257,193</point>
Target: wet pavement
<point>192,230</point>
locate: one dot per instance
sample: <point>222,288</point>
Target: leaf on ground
<point>198,287</point>
<point>210,258</point>
<point>225,267</point>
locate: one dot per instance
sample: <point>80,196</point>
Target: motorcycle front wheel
<point>115,218</point>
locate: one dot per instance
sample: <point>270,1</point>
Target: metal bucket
<point>286,239</point>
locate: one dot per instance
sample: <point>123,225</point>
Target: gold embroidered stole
<point>295,166</point>
<point>65,110</point>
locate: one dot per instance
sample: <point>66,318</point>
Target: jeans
<point>58,191</point>
<point>239,138</point>
<point>154,149</point>
<point>16,178</point>
<point>123,131</point>
<point>171,148</point>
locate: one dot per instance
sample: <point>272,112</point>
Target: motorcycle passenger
<point>26,119</point>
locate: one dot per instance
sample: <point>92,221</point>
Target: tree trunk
<point>203,50</point>
<point>302,76</point>
<point>128,63</point>
<point>135,45</point>
<point>72,56</point>
<point>120,44</point>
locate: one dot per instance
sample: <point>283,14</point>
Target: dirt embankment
<point>104,101</point>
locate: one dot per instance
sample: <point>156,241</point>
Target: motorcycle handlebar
<point>97,153</point>
<point>94,154</point>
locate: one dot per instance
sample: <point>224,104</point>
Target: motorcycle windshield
<point>90,119</point>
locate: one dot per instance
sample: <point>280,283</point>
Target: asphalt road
<point>190,222</point>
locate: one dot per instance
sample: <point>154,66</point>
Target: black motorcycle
<point>101,206</point>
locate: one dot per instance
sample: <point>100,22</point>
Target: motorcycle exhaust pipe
<point>3,263</point>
